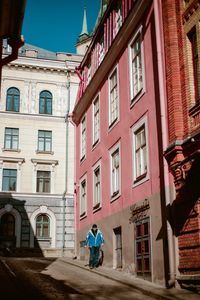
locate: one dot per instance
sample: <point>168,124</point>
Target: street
<point>33,278</point>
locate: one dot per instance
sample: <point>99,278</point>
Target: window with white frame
<point>140,152</point>
<point>42,226</point>
<point>83,198</point>
<point>113,98</point>
<point>43,182</point>
<point>44,140</point>
<point>9,180</point>
<point>115,172</point>
<point>136,67</point>
<point>96,121</point>
<point>11,139</point>
<point>97,187</point>
<point>83,138</point>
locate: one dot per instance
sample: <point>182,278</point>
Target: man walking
<point>94,241</point>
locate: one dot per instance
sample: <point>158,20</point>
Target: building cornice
<point>29,195</point>
<point>55,66</point>
<point>110,58</point>
<point>44,161</point>
<point>12,159</point>
<point>16,115</point>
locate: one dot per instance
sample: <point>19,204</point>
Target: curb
<point>145,292</point>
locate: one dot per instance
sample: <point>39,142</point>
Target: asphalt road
<point>40,278</point>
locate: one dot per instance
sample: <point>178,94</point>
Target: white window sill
<point>115,196</point>
<point>97,207</point>
<point>137,97</point>
<point>142,179</point>
<point>95,144</point>
<point>83,216</point>
<point>113,124</point>
<point>44,152</point>
<point>82,159</point>
<point>44,239</point>
<point>11,150</point>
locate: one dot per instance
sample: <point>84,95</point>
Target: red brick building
<point>182,51</point>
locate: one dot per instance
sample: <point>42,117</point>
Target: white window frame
<point>95,140</point>
<point>114,122</point>
<point>114,195</point>
<point>135,129</point>
<point>97,206</point>
<point>82,214</point>
<point>83,155</point>
<point>137,96</point>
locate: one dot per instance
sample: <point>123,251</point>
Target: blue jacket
<point>94,241</point>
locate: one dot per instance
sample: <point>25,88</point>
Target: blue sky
<point>56,24</point>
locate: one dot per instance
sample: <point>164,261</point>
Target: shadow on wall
<point>16,229</point>
<point>185,206</point>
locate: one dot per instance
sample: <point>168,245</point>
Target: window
<point>43,181</point>
<point>96,121</point>
<point>136,67</point>
<point>195,62</point>
<point>11,138</point>
<point>97,187</point>
<point>45,103</point>
<point>42,226</point>
<point>83,198</point>
<point>83,138</point>
<point>115,172</point>
<point>12,99</point>
<point>44,140</point>
<point>140,151</point>
<point>9,180</point>
<point>113,98</point>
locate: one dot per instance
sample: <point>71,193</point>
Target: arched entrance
<point>7,230</point>
<point>10,227</point>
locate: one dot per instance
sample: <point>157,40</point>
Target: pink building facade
<point>119,181</point>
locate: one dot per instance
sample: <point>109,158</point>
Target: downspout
<point>15,44</point>
<point>66,160</point>
<point>164,129</point>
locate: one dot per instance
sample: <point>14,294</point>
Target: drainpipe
<point>164,128</point>
<point>66,159</point>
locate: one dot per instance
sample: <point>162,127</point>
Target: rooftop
<point>28,50</point>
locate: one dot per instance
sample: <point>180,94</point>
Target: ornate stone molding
<point>182,170</point>
<point>139,210</point>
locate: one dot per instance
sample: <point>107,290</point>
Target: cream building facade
<point>38,94</point>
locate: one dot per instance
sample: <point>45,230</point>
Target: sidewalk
<point>146,287</point>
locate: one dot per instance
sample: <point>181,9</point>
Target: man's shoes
<point>91,267</point>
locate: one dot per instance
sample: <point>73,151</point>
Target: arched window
<point>7,225</point>
<point>45,103</point>
<point>42,226</point>
<point>12,99</point>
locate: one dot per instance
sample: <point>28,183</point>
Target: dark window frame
<point>13,99</point>
<point>10,178</point>
<point>40,226</point>
<point>12,135</point>
<point>44,138</point>
<point>41,178</point>
<point>7,225</point>
<point>45,100</point>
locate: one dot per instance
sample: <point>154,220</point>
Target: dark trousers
<point>94,257</point>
